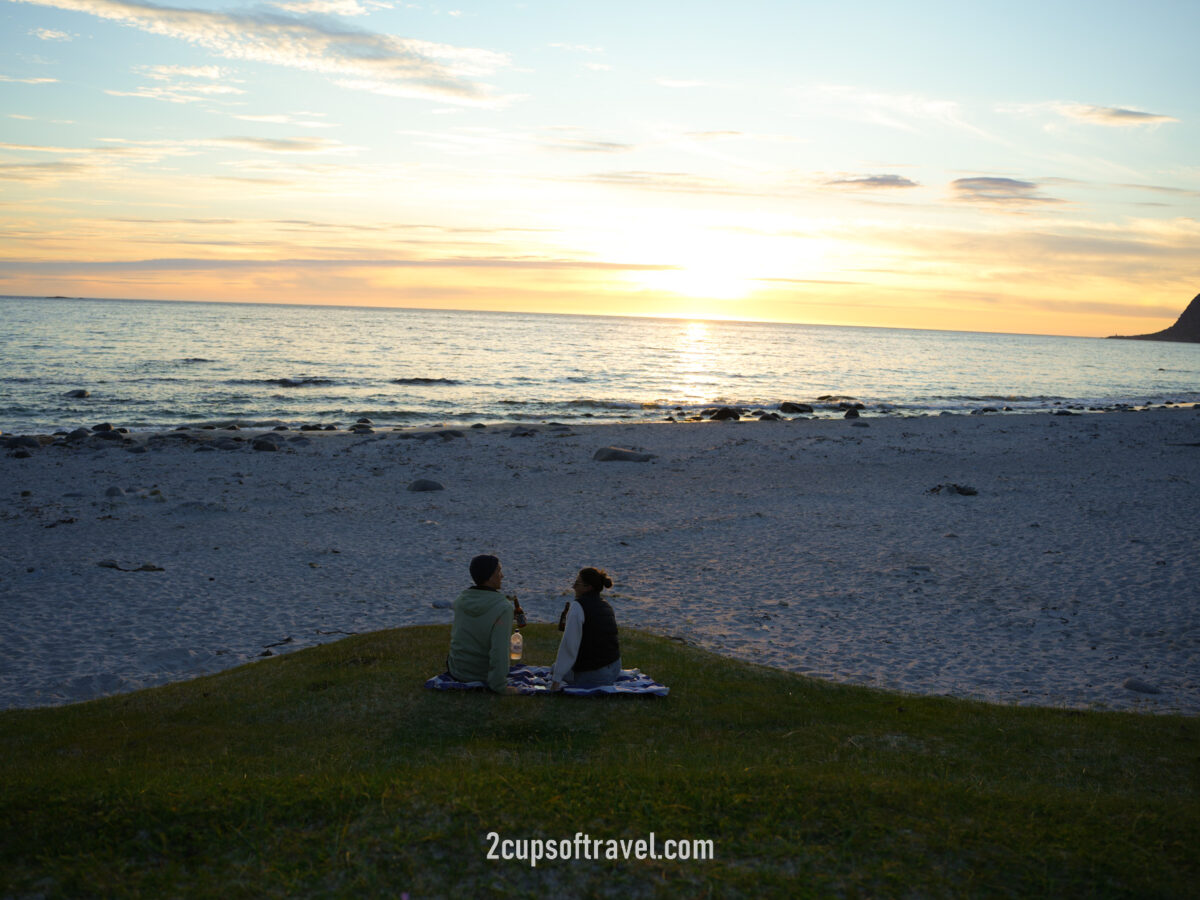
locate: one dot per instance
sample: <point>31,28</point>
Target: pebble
<point>78,393</point>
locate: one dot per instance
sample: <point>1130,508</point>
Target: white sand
<point>808,545</point>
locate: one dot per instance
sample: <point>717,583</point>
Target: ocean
<point>159,364</point>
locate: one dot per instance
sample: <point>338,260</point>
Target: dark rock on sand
<point>264,444</point>
<point>78,434</point>
<point>137,448</point>
<point>102,427</point>
<point>519,431</point>
<point>726,414</point>
<point>21,454</point>
<point>618,454</point>
<point>23,442</point>
<point>364,421</point>
<point>788,407</point>
<point>425,484</point>
<point>78,394</point>
<point>851,413</point>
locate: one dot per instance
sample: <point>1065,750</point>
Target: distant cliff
<point>1186,327</point>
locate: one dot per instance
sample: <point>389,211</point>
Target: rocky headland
<point>1186,328</point>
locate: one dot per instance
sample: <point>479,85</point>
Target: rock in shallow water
<point>1142,687</point>
<point>425,484</point>
<point>617,454</point>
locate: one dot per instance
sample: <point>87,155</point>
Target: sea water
<point>157,364</point>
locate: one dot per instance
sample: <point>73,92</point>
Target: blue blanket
<point>536,680</point>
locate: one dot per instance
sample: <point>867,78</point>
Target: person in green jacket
<point>483,619</point>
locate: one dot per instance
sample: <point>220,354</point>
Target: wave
<point>303,381</point>
<point>423,381</point>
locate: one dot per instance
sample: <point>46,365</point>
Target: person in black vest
<point>589,653</point>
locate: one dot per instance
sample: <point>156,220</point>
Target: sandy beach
<point>1031,559</point>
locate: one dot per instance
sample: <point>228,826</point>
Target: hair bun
<point>607,581</point>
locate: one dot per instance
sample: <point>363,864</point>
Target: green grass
<point>331,772</point>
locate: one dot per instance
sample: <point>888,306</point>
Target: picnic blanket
<point>536,680</point>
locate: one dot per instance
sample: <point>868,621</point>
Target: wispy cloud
<point>286,145</point>
<point>990,190</point>
<point>1113,116</point>
<point>300,120</point>
<point>48,34</point>
<point>347,8</point>
<point>872,182</point>
<point>11,80</point>
<point>904,112</point>
<point>667,182</point>
<point>355,59</point>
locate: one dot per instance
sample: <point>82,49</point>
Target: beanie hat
<point>482,567</point>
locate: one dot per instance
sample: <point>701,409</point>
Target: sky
<point>1028,167</point>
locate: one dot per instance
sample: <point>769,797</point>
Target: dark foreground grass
<point>331,772</point>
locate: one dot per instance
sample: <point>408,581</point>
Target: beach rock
<point>1141,687</point>
<point>103,427</point>
<point>137,448</point>
<point>362,429</point>
<point>795,407</point>
<point>280,428</point>
<point>617,454</point>
<point>851,413</point>
<point>78,394</point>
<point>23,442</point>
<point>264,444</point>
<point>769,417</point>
<point>300,441</point>
<point>115,491</point>
<point>79,434</point>
<point>310,427</point>
<point>1063,412</point>
<point>860,424</point>
<point>521,431</point>
<point>425,484</point>
<point>364,421</point>
<point>479,425</point>
<point>21,454</point>
<point>329,428</point>
<point>226,444</point>
<point>726,414</point>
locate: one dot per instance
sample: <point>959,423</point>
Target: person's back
<point>483,620</point>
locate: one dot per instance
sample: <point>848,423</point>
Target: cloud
<point>47,34</point>
<point>44,171</point>
<point>9,79</point>
<point>999,191</point>
<point>331,7</point>
<point>1113,116</point>
<point>165,73</point>
<point>287,119</point>
<point>355,59</point>
<point>904,112</point>
<point>287,145</point>
<point>872,182</point>
<point>192,265</point>
<point>190,93</point>
<point>668,182</point>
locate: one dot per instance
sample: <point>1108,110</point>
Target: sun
<point>713,262</point>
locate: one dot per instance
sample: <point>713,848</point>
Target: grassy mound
<point>331,772</point>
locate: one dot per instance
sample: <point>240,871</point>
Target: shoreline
<point>817,546</point>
